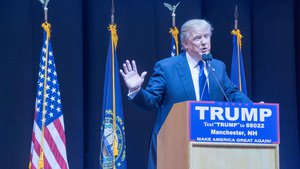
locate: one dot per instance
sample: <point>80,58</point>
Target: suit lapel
<point>186,77</point>
<point>213,86</point>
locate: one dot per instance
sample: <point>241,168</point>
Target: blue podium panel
<point>226,122</point>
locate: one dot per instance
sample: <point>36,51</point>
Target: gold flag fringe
<point>174,32</point>
<point>113,29</point>
<point>238,35</point>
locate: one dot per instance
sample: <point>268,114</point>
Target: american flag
<point>48,143</point>
<point>174,41</point>
<point>173,47</point>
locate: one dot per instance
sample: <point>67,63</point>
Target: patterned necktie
<point>203,85</point>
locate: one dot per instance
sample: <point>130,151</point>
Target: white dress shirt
<point>195,68</point>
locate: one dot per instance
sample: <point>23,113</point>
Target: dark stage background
<point>271,51</point>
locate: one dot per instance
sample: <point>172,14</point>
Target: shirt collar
<point>193,63</point>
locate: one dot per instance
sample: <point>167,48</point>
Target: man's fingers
<point>122,73</point>
<point>125,68</point>
<point>128,66</point>
<point>143,75</point>
<point>134,68</point>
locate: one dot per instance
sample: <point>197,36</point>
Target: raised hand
<point>131,76</point>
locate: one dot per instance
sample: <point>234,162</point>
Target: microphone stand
<point>207,58</point>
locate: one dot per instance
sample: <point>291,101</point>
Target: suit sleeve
<point>152,97</point>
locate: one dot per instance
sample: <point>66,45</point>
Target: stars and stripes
<point>48,144</point>
<point>173,47</point>
<point>174,41</point>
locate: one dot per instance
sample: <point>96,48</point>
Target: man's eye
<point>197,38</point>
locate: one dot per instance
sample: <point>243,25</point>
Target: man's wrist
<point>132,92</point>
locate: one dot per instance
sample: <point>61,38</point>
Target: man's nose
<point>203,40</point>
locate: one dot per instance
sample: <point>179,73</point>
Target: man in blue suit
<point>176,79</point>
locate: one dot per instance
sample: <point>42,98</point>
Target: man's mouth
<point>203,50</point>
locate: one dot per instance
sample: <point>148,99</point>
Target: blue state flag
<point>113,147</point>
<point>237,66</point>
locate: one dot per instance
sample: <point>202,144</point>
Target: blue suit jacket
<point>171,83</point>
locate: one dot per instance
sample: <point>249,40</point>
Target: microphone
<point>207,58</point>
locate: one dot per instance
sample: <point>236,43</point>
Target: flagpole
<point>238,41</point>
<point>113,44</point>
<point>173,19</point>
<point>174,31</point>
<point>112,17</point>
<point>41,160</point>
<point>46,14</point>
<point>46,26</point>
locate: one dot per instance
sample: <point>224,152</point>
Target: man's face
<point>198,42</point>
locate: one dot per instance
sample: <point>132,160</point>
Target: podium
<point>219,135</point>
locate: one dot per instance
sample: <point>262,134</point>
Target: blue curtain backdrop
<point>271,52</point>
